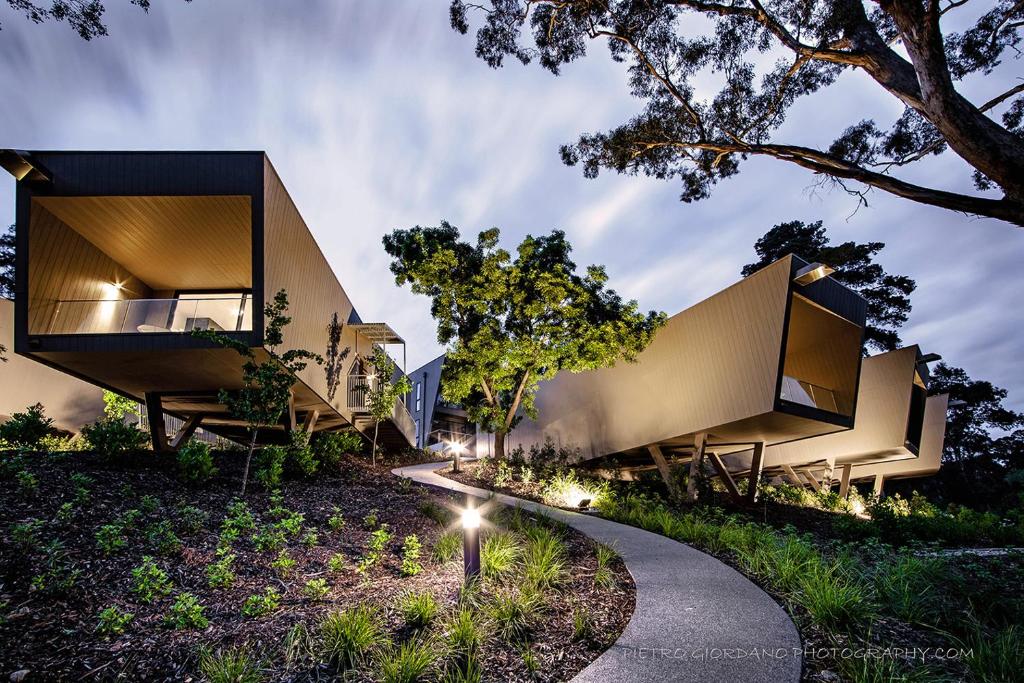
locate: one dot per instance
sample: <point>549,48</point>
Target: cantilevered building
<point>767,372</point>
<point>120,255</point>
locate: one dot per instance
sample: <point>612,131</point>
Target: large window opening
<point>822,357</point>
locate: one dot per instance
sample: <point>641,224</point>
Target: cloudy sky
<point>378,116</point>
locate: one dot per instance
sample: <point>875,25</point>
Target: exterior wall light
<point>812,273</point>
<point>471,543</point>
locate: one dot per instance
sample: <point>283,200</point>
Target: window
<point>417,431</point>
<point>419,402</point>
<point>222,311</point>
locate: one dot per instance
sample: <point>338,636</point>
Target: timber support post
<point>157,429</point>
<point>879,484</point>
<point>186,431</point>
<point>756,466</point>
<point>700,443</point>
<point>665,470</point>
<point>724,476</point>
<point>309,423</point>
<point>844,481</point>
<point>792,475</point>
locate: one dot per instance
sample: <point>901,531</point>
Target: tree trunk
<point>248,459</point>
<point>373,455</point>
<point>499,446</point>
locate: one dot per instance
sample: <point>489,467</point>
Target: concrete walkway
<point>696,619</point>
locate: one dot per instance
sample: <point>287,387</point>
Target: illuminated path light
<point>471,542</point>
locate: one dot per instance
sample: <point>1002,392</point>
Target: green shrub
<point>192,518</point>
<point>26,534</point>
<point>316,589</point>
<point>502,474</point>
<point>411,549</point>
<point>283,564</point>
<point>499,555</point>
<point>544,563</point>
<point>370,521</point>
<point>261,604</point>
<point>110,539</point>
<point>300,461</point>
<point>113,622</point>
<point>350,635</point>
<point>311,538</point>
<point>117,407</point>
<point>432,510</point>
<point>330,446</point>
<point>583,627</point>
<point>65,513</point>
<point>112,438</point>
<point>406,663</point>
<point>233,665</point>
<point>906,585</point>
<point>833,597</point>
<point>336,563</point>
<point>526,474</point>
<point>195,462</point>
<point>27,482</point>
<point>379,540</point>
<point>149,504</point>
<point>513,613</point>
<point>26,430</point>
<point>219,573</point>
<point>149,581</point>
<point>447,547</point>
<point>270,539</point>
<point>59,575</point>
<point>162,539</point>
<point>270,466</point>
<point>463,633</point>
<point>998,657</point>
<point>186,612</point>
<point>291,522</point>
<point>336,522</point>
<point>418,609</point>
<point>63,443</point>
<point>238,520</point>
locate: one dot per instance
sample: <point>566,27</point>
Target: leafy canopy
<point>888,296</point>
<point>511,321</point>
<point>84,16</point>
<point>718,79</point>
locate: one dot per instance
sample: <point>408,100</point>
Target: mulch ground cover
<point>55,580</point>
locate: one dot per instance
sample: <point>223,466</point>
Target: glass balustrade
<point>227,313</point>
<point>807,394</point>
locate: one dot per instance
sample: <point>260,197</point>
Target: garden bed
<point>72,547</point>
<point>910,613</point>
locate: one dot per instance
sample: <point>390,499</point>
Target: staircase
<point>393,433</point>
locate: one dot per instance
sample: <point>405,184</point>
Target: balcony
<point>798,391</point>
<point>357,401</point>
<point>225,313</point>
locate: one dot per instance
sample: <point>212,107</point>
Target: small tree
<point>6,274</point>
<point>887,296</point>
<point>382,392</point>
<point>116,406</point>
<point>267,384</point>
<point>510,323</point>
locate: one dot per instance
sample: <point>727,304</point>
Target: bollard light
<point>471,543</point>
<point>456,449</point>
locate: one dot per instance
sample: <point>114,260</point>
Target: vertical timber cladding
<point>713,363</point>
<point>294,262</point>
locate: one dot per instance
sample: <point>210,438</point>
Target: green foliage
<point>544,562</point>
<point>330,446</point>
<point>219,573</point>
<point>186,612</point>
<point>62,443</point>
<point>370,521</point>
<point>336,563</point>
<point>316,589</point>
<point>65,513</point>
<point>26,534</point>
<point>27,482</point>
<point>59,574</point>
<point>703,115</point>
<point>261,604</point>
<point>149,504</point>
<point>301,462</point>
<point>26,430</point>
<point>405,663</point>
<point>906,586</point>
<point>502,474</point>
<point>117,407</point>
<point>431,510</point>
<point>112,438</point>
<point>565,488</point>
<point>499,555</point>
<point>379,540</point>
<point>113,622</point>
<point>291,522</point>
<point>311,538</point>
<point>418,609</point>
<point>384,391</point>
<point>233,665</point>
<point>888,296</point>
<point>603,576</point>
<point>526,474</point>
<point>238,520</point>
<point>283,564</point>
<point>447,547</point>
<point>161,537</point>
<point>514,613</point>
<point>583,626</point>
<point>192,518</point>
<point>350,635</point>
<point>336,522</point>
<point>270,466</point>
<point>149,582</point>
<point>110,539</point>
<point>269,539</point>
<point>195,462</point>
<point>463,633</point>
<point>999,656</point>
<point>512,322</point>
<point>411,550</point>
<point>267,384</point>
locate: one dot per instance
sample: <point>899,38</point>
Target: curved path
<point>696,619</point>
